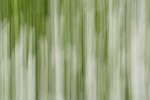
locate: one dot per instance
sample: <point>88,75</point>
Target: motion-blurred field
<point>74,49</point>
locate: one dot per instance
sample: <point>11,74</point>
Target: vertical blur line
<point>128,7</point>
<point>90,37</point>
<point>147,49</point>
<point>4,60</point>
<point>16,49</point>
<point>1,84</point>
<point>66,52</point>
<point>114,49</point>
<point>97,31</point>
<point>43,69</point>
<point>81,78</point>
<point>39,16</point>
<point>83,70</point>
<point>101,29</point>
<point>52,67</point>
<point>58,59</point>
<point>73,57</point>
<point>1,9</point>
<point>137,50</point>
<point>16,19</point>
<point>36,51</point>
<point>13,38</point>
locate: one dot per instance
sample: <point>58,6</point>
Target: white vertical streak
<point>114,51</point>
<point>4,59</point>
<point>58,57</point>
<point>137,52</point>
<point>31,68</point>
<point>90,47</point>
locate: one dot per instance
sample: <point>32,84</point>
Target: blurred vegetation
<point>74,49</point>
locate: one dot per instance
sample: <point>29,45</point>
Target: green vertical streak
<point>16,20</point>
<point>66,49</point>
<point>80,85</point>
<point>147,47</point>
<point>97,31</point>
<point>12,43</point>
<point>127,52</point>
<point>14,31</point>
<point>12,36</point>
<point>52,67</point>
<point>101,28</point>
<point>83,70</point>
<point>106,53</point>
<point>36,16</point>
<point>50,38</point>
<point>1,9</point>
<point>126,71</point>
<point>82,58</point>
<point>4,9</point>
